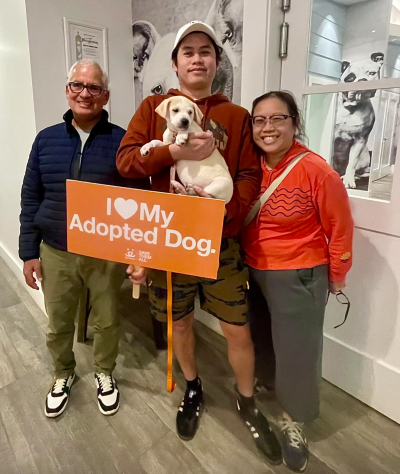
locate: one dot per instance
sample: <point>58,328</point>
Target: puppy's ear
<point>162,109</point>
<point>198,115</point>
<point>377,58</point>
<point>345,65</point>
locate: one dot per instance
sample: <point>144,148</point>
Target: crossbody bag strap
<point>269,191</point>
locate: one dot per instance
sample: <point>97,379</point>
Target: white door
<point>385,146</point>
<point>343,66</point>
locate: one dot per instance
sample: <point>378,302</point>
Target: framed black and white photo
<point>154,27</point>
<point>85,40</point>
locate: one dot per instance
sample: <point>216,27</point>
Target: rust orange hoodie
<point>230,125</point>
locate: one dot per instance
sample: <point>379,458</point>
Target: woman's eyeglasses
<point>93,89</point>
<point>275,120</point>
<point>342,299</point>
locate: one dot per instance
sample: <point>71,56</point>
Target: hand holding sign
<point>138,276</point>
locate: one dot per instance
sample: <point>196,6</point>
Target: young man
<point>83,147</point>
<point>195,59</point>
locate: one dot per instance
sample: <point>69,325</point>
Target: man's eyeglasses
<point>342,299</point>
<point>275,120</point>
<point>93,89</point>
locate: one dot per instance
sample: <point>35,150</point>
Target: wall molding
<point>370,380</point>
<point>16,267</point>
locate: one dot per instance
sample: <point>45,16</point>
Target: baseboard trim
<point>16,267</point>
<point>370,380</point>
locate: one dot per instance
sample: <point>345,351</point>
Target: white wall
<point>46,40</point>
<point>17,124</point>
<point>363,356</point>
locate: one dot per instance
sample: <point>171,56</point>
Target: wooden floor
<point>349,438</point>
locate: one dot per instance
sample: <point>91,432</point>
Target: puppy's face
<point>179,113</point>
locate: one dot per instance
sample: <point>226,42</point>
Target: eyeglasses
<point>275,120</point>
<point>93,89</point>
<point>342,299</point>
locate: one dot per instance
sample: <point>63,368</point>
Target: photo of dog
<point>226,17</point>
<point>145,37</point>
<point>183,117</point>
<point>354,122</point>
<point>153,73</point>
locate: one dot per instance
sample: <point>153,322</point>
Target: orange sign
<point>181,234</point>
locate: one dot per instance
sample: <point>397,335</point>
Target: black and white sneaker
<point>264,437</point>
<point>188,416</point>
<point>58,396</point>
<point>294,445</point>
<point>107,394</point>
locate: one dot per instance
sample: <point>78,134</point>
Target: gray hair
<point>96,65</point>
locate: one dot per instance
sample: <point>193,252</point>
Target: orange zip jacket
<point>306,222</point>
<point>230,125</point>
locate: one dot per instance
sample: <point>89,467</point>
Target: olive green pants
<point>65,276</point>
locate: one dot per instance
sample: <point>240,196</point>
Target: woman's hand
<point>336,286</point>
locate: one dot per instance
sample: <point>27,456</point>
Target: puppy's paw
<point>190,189</point>
<point>153,144</point>
<point>181,139</point>
<point>145,149</point>
<point>178,188</point>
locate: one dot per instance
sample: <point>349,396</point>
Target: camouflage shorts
<point>225,298</point>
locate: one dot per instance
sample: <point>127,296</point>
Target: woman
<point>297,247</point>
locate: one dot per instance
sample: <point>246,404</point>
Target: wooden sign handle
<point>136,287</point>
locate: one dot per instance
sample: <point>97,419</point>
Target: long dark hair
<point>287,98</point>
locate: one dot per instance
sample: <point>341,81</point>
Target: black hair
<point>287,98</point>
<point>218,49</point>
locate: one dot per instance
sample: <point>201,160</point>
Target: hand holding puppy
<point>200,145</point>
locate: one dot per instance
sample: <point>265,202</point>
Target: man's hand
<point>31,267</point>
<point>336,286</point>
<point>137,275</point>
<point>199,146</point>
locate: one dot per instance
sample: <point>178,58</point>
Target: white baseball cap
<point>198,27</point>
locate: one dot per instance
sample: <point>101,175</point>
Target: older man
<point>84,148</point>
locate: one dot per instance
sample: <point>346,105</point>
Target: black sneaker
<point>294,446</point>
<point>261,431</point>
<point>107,394</point>
<point>188,416</point>
<point>58,396</point>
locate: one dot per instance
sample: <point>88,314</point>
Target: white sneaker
<point>58,396</point>
<point>107,394</point>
